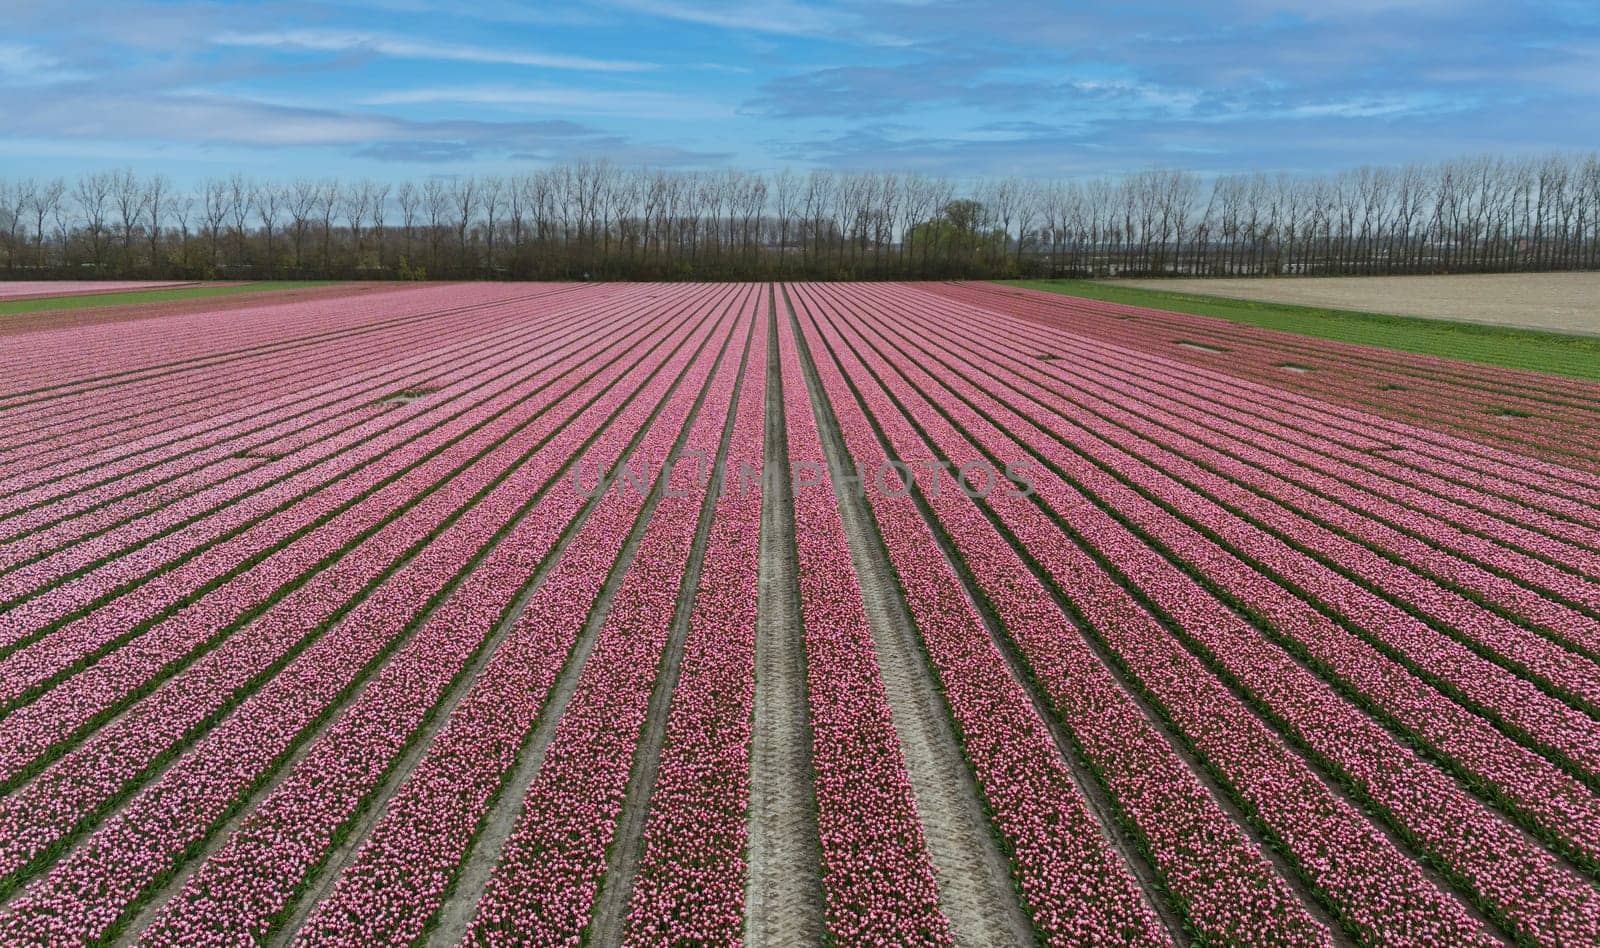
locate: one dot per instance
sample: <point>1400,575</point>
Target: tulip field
<point>37,289</point>
<point>715,614</point>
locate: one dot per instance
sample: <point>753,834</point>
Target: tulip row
<point>544,887</point>
<point>123,415</point>
<point>1451,474</point>
<point>1454,403</point>
<point>1371,885</point>
<point>103,878</point>
<point>1364,376</point>
<point>63,362</point>
<point>155,503</point>
<point>877,878</point>
<point>253,878</point>
<point>70,490</point>
<point>1077,886</point>
<point>1469,840</point>
<point>280,547</point>
<point>61,797</point>
<point>29,289</point>
<point>1488,631</point>
<point>689,887</point>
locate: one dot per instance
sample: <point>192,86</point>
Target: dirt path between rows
<point>975,886</point>
<point>783,893</point>
<point>1154,892</point>
<point>627,846</point>
<point>320,881</point>
<point>453,921</point>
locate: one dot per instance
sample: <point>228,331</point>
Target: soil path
<point>975,887</point>
<point>783,894</point>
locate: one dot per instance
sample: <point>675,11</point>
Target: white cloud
<point>777,17</point>
<point>638,104</point>
<point>396,47</point>
<point>28,66</point>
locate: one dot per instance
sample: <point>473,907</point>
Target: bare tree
<point>301,202</point>
<point>213,213</point>
<point>129,196</point>
<point>408,197</point>
<point>240,192</point>
<point>329,197</point>
<point>436,201</point>
<point>268,201</point>
<point>466,198</point>
<point>156,191</point>
<point>92,194</point>
<point>18,198</point>
<point>357,204</point>
<point>493,198</point>
<point>379,200</point>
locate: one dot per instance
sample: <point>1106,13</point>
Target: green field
<point>51,303</point>
<point>1556,353</point>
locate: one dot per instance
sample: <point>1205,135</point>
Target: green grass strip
<point>95,300</point>
<point>1575,356</point>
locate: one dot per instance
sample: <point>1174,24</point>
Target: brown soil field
<point>1563,302</point>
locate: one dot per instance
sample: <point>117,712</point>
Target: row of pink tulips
<point>29,289</point>
<point>213,550</point>
<point>253,878</point>
<point>877,878</point>
<point>690,881</point>
<point>1078,887</point>
<point>55,802</point>
<point>1370,884</point>
<point>102,879</point>
<point>1497,863</point>
<point>544,886</point>
<point>396,881</point>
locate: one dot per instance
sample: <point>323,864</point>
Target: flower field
<point>38,289</point>
<point>468,613</point>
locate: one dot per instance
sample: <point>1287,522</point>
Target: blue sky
<point>397,88</point>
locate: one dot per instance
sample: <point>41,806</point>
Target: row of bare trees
<point>596,220</point>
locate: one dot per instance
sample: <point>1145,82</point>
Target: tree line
<point>595,220</point>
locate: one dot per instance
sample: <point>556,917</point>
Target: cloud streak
<point>396,47</point>
<point>633,103</point>
<point>209,120</point>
